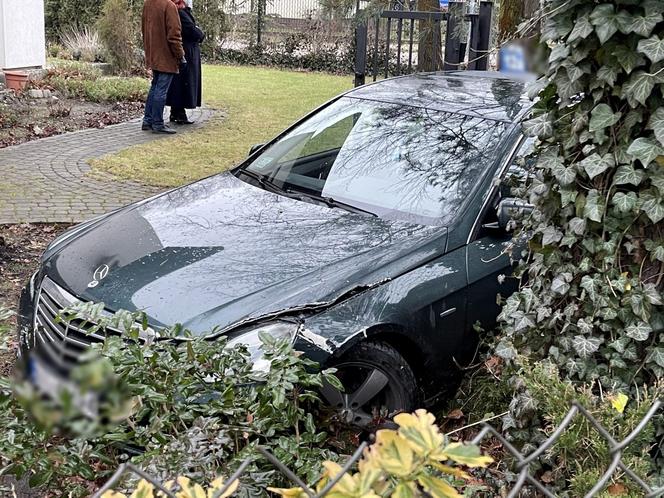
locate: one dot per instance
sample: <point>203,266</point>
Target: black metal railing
<point>382,49</point>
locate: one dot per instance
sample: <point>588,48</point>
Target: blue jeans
<point>154,106</point>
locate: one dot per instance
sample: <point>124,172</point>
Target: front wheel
<point>378,384</point>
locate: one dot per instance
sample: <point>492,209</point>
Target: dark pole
<point>484,35</point>
<point>259,23</point>
<point>360,47</point>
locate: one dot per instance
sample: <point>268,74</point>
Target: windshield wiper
<point>330,202</point>
<point>264,182</point>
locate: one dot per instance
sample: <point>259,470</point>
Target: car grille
<point>61,343</point>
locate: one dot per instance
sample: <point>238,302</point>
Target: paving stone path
<point>46,181</point>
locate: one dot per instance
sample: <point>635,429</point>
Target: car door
<point>488,252</point>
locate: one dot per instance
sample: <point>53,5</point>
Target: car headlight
<point>251,340</point>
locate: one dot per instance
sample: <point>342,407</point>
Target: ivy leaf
<point>645,150</point>
<point>656,123</point>
<point>642,25</point>
<point>505,350</point>
<point>540,126</point>
<point>652,206</point>
<point>586,346</point>
<point>638,88</point>
<point>594,209</point>
<point>596,165</point>
<point>602,117</point>
<point>577,225</point>
<point>560,284</point>
<point>550,236</point>
<point>627,58</point>
<point>627,174</point>
<point>653,48</point>
<point>582,28</point>
<point>624,202</point>
<point>559,52</point>
<point>638,331</point>
<point>604,19</point>
<point>652,295</point>
<point>657,356</point>
<point>607,74</point>
<point>591,286</point>
<point>565,176</point>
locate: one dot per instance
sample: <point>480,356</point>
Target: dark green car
<point>372,233</point>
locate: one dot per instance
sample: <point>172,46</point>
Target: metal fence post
<point>259,22</point>
<point>360,52</point>
<point>484,28</point>
<point>452,41</point>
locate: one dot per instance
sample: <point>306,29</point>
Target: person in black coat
<point>186,88</point>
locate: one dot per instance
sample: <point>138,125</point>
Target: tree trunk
<point>430,47</point>
<point>512,13</point>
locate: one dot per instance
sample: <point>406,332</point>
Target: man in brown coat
<point>162,39</point>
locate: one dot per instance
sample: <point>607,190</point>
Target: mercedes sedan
<point>372,234</point>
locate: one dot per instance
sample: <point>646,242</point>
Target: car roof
<point>485,94</point>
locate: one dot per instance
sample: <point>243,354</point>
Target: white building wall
<point>22,35</point>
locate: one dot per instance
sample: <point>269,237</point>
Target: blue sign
<point>444,4</point>
<point>512,59</point>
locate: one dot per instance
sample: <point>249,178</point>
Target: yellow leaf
<point>466,454</point>
<point>453,471</point>
<point>346,484</point>
<point>143,490</point>
<point>619,402</point>
<point>189,490</point>
<point>113,494</point>
<point>405,489</point>
<point>219,483</point>
<point>289,492</point>
<point>421,432</point>
<point>393,453</point>
<point>438,488</point>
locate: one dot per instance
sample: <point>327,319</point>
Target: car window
<point>399,162</point>
<point>513,183</point>
<point>515,180</point>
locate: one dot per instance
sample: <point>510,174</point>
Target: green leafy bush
<point>80,80</point>
<point>591,300</point>
<point>191,405</point>
<point>212,20</point>
<point>118,30</point>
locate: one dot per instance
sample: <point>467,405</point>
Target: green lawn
<point>258,103</point>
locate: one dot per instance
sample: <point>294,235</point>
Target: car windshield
<point>398,162</point>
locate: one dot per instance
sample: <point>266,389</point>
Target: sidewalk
<point>46,181</point>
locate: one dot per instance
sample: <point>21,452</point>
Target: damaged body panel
<point>367,233</point>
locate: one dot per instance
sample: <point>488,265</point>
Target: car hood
<point>221,251</point>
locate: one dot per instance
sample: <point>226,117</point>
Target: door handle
<point>447,312</point>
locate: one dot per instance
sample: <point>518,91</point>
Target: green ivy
<point>591,298</point>
<point>591,282</point>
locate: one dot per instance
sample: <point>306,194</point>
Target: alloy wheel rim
<point>369,394</point>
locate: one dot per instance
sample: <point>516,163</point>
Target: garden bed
<point>20,249</point>
<point>23,119</point>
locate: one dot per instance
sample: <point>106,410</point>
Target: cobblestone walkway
<point>45,180</point>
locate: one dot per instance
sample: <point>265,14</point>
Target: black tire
<point>378,384</point>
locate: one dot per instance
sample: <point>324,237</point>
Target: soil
<point>21,247</point>
<point>23,118</point>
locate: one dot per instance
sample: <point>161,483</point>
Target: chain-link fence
<point>525,477</point>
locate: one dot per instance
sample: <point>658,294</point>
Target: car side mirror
<point>255,147</point>
<point>511,209</point>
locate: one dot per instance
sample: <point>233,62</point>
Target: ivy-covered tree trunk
<point>430,44</point>
<point>512,13</point>
<point>592,302</point>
